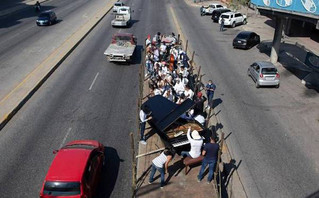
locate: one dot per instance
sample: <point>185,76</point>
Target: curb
<point>22,93</point>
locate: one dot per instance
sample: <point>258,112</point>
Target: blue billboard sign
<point>302,6</point>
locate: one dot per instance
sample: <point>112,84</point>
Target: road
<point>273,132</point>
<point>23,45</point>
<point>86,98</point>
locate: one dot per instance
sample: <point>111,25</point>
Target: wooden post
<point>198,74</point>
<point>141,82</point>
<point>208,117</point>
<point>192,60</point>
<point>150,153</point>
<point>186,46</point>
<point>133,166</point>
<point>217,164</point>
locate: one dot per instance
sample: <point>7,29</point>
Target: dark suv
<point>47,18</point>
<point>216,14</point>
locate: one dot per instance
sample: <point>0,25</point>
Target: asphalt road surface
<point>24,45</point>
<point>273,132</point>
<point>86,98</point>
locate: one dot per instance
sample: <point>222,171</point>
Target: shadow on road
<point>18,16</point>
<point>314,195</point>
<point>226,175</point>
<point>110,173</point>
<point>216,102</point>
<point>293,57</point>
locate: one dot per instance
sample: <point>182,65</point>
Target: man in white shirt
<point>188,92</point>
<point>144,117</point>
<point>179,87</point>
<point>168,94</point>
<point>196,142</point>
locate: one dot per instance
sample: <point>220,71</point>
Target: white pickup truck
<point>121,48</point>
<point>122,17</point>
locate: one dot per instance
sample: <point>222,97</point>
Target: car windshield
<point>242,36</point>
<point>84,146</point>
<point>117,4</point>
<point>269,70</point>
<point>224,16</point>
<point>61,188</point>
<point>122,38</point>
<point>44,15</point>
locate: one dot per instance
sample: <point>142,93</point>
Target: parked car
<point>264,74</point>
<point>233,18</point>
<point>75,170</point>
<point>216,13</point>
<point>246,40</point>
<point>202,10</point>
<point>47,18</point>
<point>209,10</point>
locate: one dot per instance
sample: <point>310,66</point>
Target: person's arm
<point>188,133</point>
<point>149,118</point>
<point>203,152</point>
<point>169,158</point>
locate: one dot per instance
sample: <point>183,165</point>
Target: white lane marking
<point>66,135</point>
<point>94,80</point>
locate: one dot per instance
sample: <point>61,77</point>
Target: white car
<point>214,6</point>
<point>232,18</point>
<point>117,5</point>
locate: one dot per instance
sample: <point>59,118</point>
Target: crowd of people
<point>170,75</point>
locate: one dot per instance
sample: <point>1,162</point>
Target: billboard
<point>302,6</point>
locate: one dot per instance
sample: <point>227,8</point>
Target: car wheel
<point>245,22</point>
<point>277,86</point>
<point>257,85</point>
<point>233,25</point>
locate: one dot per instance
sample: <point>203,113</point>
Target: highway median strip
<point>13,101</point>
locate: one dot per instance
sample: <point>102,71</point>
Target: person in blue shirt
<point>210,90</point>
<point>210,152</point>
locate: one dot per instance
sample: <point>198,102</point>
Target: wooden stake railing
<point>133,166</point>
<point>217,170</point>
<point>186,46</point>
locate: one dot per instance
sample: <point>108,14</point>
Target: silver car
<point>264,74</point>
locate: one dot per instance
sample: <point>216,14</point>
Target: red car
<point>75,170</point>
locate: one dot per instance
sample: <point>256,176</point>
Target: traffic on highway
<point>90,108</point>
